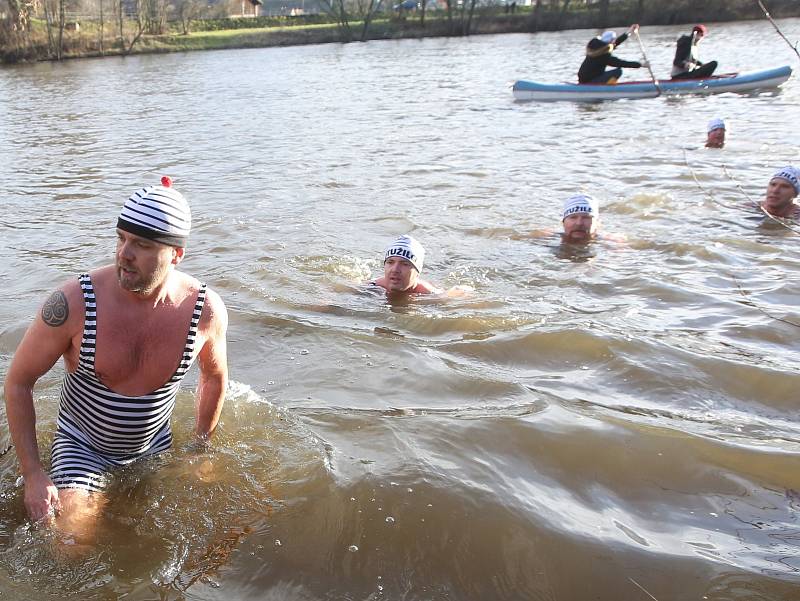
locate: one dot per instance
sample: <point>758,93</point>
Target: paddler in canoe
<point>686,64</point>
<point>599,56</point>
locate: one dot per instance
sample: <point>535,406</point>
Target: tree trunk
<point>449,16</point>
<point>141,23</point>
<point>344,22</point>
<point>48,18</point>
<point>102,29</point>
<point>61,18</point>
<point>536,12</point>
<point>603,13</point>
<point>422,16</point>
<point>367,18</point>
<point>121,24</point>
<point>468,27</point>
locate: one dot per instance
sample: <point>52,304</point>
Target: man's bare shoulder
<point>103,277</point>
<point>187,287</point>
<point>64,307</point>
<point>215,314</point>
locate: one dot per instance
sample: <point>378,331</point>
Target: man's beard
<point>141,284</point>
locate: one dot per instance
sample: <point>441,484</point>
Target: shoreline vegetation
<point>36,30</point>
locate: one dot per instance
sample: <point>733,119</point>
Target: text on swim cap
<point>789,177</point>
<point>400,252</point>
<point>578,209</point>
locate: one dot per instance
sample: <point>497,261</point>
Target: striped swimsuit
<point>99,429</point>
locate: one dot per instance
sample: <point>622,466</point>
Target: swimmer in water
<point>782,192</point>
<point>402,264</point>
<point>716,134</point>
<point>580,219</point>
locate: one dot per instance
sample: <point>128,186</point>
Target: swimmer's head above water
<point>782,191</point>
<point>580,217</point>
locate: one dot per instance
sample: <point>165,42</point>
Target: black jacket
<point>595,65</point>
<point>685,54</point>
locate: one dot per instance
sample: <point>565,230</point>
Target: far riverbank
<point>91,38</point>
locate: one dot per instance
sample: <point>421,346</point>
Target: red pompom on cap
<point>166,181</point>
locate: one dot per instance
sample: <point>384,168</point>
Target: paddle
<point>647,62</point>
<point>775,25</point>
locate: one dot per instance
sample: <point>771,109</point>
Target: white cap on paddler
<point>407,248</point>
<point>790,174</point>
<point>715,123</point>
<point>580,203</point>
<point>158,213</point>
<point>608,36</point>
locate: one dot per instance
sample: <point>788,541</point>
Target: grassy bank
<point>37,43</point>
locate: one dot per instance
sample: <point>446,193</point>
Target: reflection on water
<point>606,421</point>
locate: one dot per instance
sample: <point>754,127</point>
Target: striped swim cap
<point>579,203</point>
<point>791,175</point>
<point>407,248</point>
<point>158,213</point>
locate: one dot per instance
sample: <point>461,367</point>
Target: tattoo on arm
<point>55,310</point>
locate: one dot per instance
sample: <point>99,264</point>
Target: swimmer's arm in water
<point>422,287</point>
<point>613,237</point>
<point>542,233</point>
<point>459,290</point>
<point>213,362</point>
<point>50,336</point>
<point>425,287</point>
<point>452,292</point>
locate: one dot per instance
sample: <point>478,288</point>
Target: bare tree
<point>368,15</point>
<point>337,10</point>
<point>154,13</point>
<point>53,17</point>
<point>186,11</point>
<point>21,11</point>
<point>126,46</point>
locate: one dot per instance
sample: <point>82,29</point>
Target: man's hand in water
<point>41,496</point>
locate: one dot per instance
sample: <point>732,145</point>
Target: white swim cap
<point>609,36</point>
<point>580,203</point>
<point>407,248</point>
<point>715,123</point>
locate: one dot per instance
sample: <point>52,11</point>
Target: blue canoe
<point>729,82</point>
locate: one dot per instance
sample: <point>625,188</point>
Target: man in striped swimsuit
<point>127,332</point>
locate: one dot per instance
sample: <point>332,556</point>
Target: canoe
<point>729,82</point>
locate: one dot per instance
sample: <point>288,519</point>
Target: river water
<point>615,422</point>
